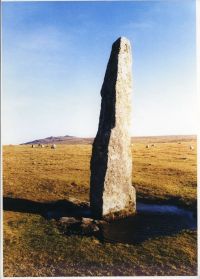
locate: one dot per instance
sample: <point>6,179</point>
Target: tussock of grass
<point>34,246</point>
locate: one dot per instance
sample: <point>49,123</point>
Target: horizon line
<point>75,137</point>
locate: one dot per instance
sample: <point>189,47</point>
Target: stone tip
<point>121,40</point>
<point>120,43</point>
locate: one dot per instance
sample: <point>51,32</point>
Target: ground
<point>35,246</point>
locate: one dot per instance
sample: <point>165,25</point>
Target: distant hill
<point>61,140</point>
<point>76,140</point>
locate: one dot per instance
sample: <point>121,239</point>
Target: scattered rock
<point>69,220</point>
<point>87,221</point>
<point>88,229</point>
<point>80,226</point>
<point>100,222</point>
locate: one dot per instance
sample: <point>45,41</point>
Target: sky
<point>54,57</point>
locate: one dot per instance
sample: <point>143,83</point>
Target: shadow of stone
<point>49,210</point>
<point>143,226</point>
<point>146,224</point>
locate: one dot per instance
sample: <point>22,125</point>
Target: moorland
<point>163,173</point>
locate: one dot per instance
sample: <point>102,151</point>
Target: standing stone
<point>111,192</point>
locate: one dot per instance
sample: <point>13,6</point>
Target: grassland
<point>34,246</point>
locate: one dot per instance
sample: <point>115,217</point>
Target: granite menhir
<point>111,192</point>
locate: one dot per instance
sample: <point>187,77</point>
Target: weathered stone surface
<point>111,190</point>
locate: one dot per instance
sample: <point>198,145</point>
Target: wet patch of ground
<point>151,220</point>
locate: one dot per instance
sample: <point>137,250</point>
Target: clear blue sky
<point>55,56</point>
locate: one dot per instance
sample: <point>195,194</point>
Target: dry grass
<point>166,171</point>
<point>34,246</point>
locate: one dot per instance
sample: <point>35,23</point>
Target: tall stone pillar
<point>111,192</point>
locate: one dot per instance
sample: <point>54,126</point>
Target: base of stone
<point>128,210</point>
<point>119,214</point>
<point>113,215</point>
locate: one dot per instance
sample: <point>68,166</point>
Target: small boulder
<point>87,221</point>
<point>69,220</point>
<point>79,226</point>
<point>88,229</point>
